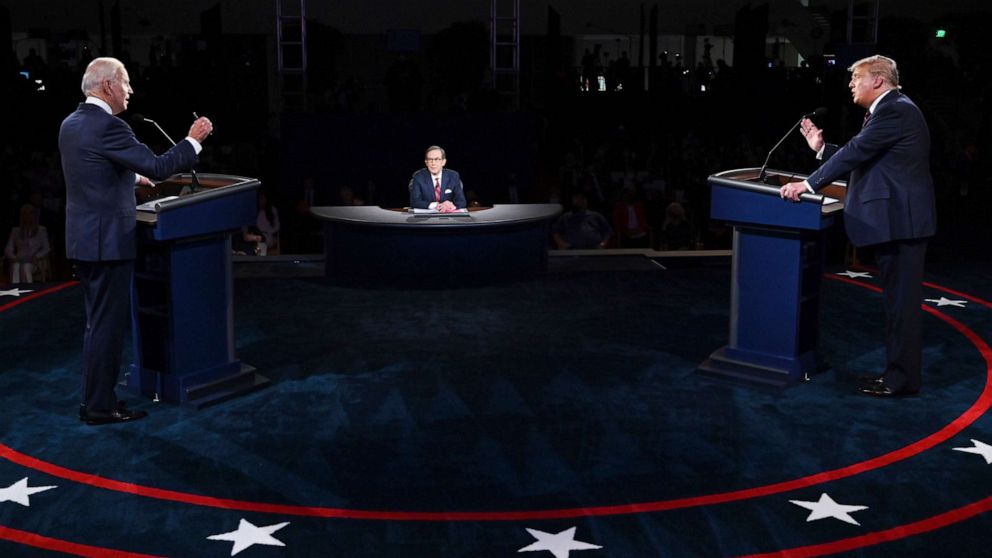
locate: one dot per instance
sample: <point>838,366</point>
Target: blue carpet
<point>444,422</point>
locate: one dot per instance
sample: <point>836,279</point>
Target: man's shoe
<point>870,380</point>
<point>119,414</point>
<point>880,389</point>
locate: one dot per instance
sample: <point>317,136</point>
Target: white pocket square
<point>447,191</point>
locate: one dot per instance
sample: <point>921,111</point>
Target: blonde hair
<point>100,70</point>
<point>879,65</point>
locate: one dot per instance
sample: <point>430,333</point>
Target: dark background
<point>385,81</point>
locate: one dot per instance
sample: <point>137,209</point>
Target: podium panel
<point>776,270</point>
<point>181,298</point>
<point>504,240</point>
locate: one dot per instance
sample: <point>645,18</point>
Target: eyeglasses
<point>433,159</point>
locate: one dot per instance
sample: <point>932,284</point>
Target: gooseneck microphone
<point>194,182</point>
<point>818,112</point>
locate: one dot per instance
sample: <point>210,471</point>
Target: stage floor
<point>560,415</point>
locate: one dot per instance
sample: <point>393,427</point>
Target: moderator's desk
<point>507,240</point>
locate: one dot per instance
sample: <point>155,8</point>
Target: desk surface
<point>497,215</point>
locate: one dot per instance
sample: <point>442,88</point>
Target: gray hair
<point>436,148</point>
<point>99,71</point>
<point>879,65</point>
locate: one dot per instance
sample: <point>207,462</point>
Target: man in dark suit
<point>102,162</point>
<point>889,206</point>
<point>434,187</point>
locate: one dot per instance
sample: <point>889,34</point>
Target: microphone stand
<point>194,181</point>
<point>762,174</point>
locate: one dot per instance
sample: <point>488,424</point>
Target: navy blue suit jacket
<point>100,157</point>
<point>422,189</point>
<point>890,191</point>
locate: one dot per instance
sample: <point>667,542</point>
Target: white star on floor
<point>558,544</point>
<point>14,292</point>
<point>980,448</point>
<point>20,492</point>
<point>826,507</point>
<point>856,274</point>
<point>947,302</point>
<point>249,534</point>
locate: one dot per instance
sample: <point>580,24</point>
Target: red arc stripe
<point>37,294</point>
<point>65,547</point>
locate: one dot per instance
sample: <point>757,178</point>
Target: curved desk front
<point>506,240</point>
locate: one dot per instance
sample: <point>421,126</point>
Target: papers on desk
<point>435,213</point>
<point>152,205</point>
<point>827,200</point>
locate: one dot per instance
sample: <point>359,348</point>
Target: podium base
<point>753,368</point>
<point>196,390</point>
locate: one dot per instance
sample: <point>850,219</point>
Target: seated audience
<point>581,228</point>
<point>27,246</point>
<point>267,223</point>
<point>676,233</point>
<point>630,221</point>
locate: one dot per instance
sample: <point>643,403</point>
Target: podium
<point>776,269</point>
<point>181,297</point>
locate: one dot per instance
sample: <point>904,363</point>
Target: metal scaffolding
<point>504,49</point>
<point>291,53</point>
<point>862,29</point>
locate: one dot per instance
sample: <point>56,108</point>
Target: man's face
<point>864,86</point>
<point>435,161</point>
<point>118,92</point>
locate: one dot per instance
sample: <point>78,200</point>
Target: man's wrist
<point>196,145</point>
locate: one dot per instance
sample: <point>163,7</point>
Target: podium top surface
<point>173,209</point>
<point>739,197</point>
<point>508,214</point>
<point>178,191</point>
<point>830,198</point>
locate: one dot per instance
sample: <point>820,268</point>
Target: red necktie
<point>437,189</point>
<point>867,116</point>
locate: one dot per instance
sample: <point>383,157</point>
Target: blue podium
<point>778,256</point>
<point>181,298</point>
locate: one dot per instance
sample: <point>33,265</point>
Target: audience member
<point>251,242</point>
<point>26,246</point>
<point>267,222</point>
<point>581,228</point>
<point>630,221</point>
<point>676,233</point>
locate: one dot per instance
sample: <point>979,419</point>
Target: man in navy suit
<point>102,162</point>
<point>434,187</point>
<point>889,206</point>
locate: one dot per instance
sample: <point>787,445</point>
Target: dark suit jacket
<point>422,189</point>
<point>890,191</point>
<point>100,157</point>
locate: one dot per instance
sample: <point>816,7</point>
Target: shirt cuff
<point>196,145</point>
<point>819,154</point>
<point>432,205</point>
<point>808,187</point>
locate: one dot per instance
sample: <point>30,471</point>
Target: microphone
<point>820,111</point>
<point>138,117</point>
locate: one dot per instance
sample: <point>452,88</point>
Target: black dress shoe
<point>119,414</point>
<point>870,380</point>
<point>880,389</point>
